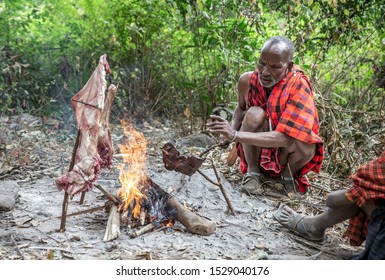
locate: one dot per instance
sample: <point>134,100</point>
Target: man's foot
<point>289,185</point>
<point>251,184</point>
<point>294,222</point>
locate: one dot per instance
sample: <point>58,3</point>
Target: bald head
<point>280,45</point>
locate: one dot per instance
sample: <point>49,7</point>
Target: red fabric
<point>368,184</point>
<point>291,109</point>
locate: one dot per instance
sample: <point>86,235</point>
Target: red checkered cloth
<point>291,110</point>
<point>368,184</point>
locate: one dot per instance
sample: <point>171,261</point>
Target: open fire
<point>142,202</point>
<point>139,203</point>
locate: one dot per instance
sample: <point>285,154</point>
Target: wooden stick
<point>51,248</point>
<point>221,188</point>
<point>66,195</point>
<point>86,211</point>
<point>110,197</point>
<point>230,205</point>
<point>113,224</point>
<point>207,178</point>
<point>81,201</point>
<point>208,150</point>
<point>143,230</point>
<point>17,247</point>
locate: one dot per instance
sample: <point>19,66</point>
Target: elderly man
<point>275,123</point>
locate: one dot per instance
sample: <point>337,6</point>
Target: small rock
<point>8,194</point>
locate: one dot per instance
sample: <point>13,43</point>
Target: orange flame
<point>132,175</point>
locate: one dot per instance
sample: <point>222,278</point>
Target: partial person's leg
<point>296,156</point>
<point>339,209</point>
<point>254,121</point>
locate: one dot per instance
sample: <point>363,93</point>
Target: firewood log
<point>192,222</point>
<point>113,225</point>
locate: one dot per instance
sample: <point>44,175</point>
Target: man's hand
<point>221,126</point>
<point>224,144</point>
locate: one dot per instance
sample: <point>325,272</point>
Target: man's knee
<point>337,199</point>
<point>304,150</point>
<point>255,118</point>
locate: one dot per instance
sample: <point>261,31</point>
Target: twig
<point>17,247</point>
<point>208,150</point>
<point>54,239</point>
<point>220,187</point>
<point>110,197</point>
<point>230,205</point>
<point>207,178</point>
<point>84,103</point>
<point>86,211</point>
<point>51,248</point>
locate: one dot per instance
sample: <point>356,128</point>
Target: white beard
<point>270,84</point>
<point>273,81</point>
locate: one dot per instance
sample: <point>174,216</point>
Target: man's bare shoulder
<point>245,77</point>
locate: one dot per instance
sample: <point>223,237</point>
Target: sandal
<point>289,185</point>
<point>294,222</point>
<point>251,184</point>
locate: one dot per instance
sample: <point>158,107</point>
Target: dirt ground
<point>33,153</point>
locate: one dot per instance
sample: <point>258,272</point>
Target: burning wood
<point>145,204</point>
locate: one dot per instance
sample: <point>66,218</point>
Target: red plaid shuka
<point>368,184</point>
<point>291,110</point>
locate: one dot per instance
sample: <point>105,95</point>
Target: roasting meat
<point>105,148</point>
<point>88,106</point>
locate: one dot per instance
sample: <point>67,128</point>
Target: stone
<point>8,194</point>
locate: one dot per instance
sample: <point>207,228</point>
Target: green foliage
<point>184,57</point>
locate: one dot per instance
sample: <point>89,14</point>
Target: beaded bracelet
<point>235,136</point>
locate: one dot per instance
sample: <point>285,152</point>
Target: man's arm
<point>268,139</point>
<point>240,110</point>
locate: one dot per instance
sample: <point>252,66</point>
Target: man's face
<point>272,65</point>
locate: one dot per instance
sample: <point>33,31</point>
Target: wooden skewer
<point>66,195</point>
<point>208,150</point>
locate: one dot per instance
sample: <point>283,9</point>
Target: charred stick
<point>143,230</point>
<point>124,217</point>
<point>129,214</point>
<point>110,197</point>
<point>229,204</point>
<point>142,215</point>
